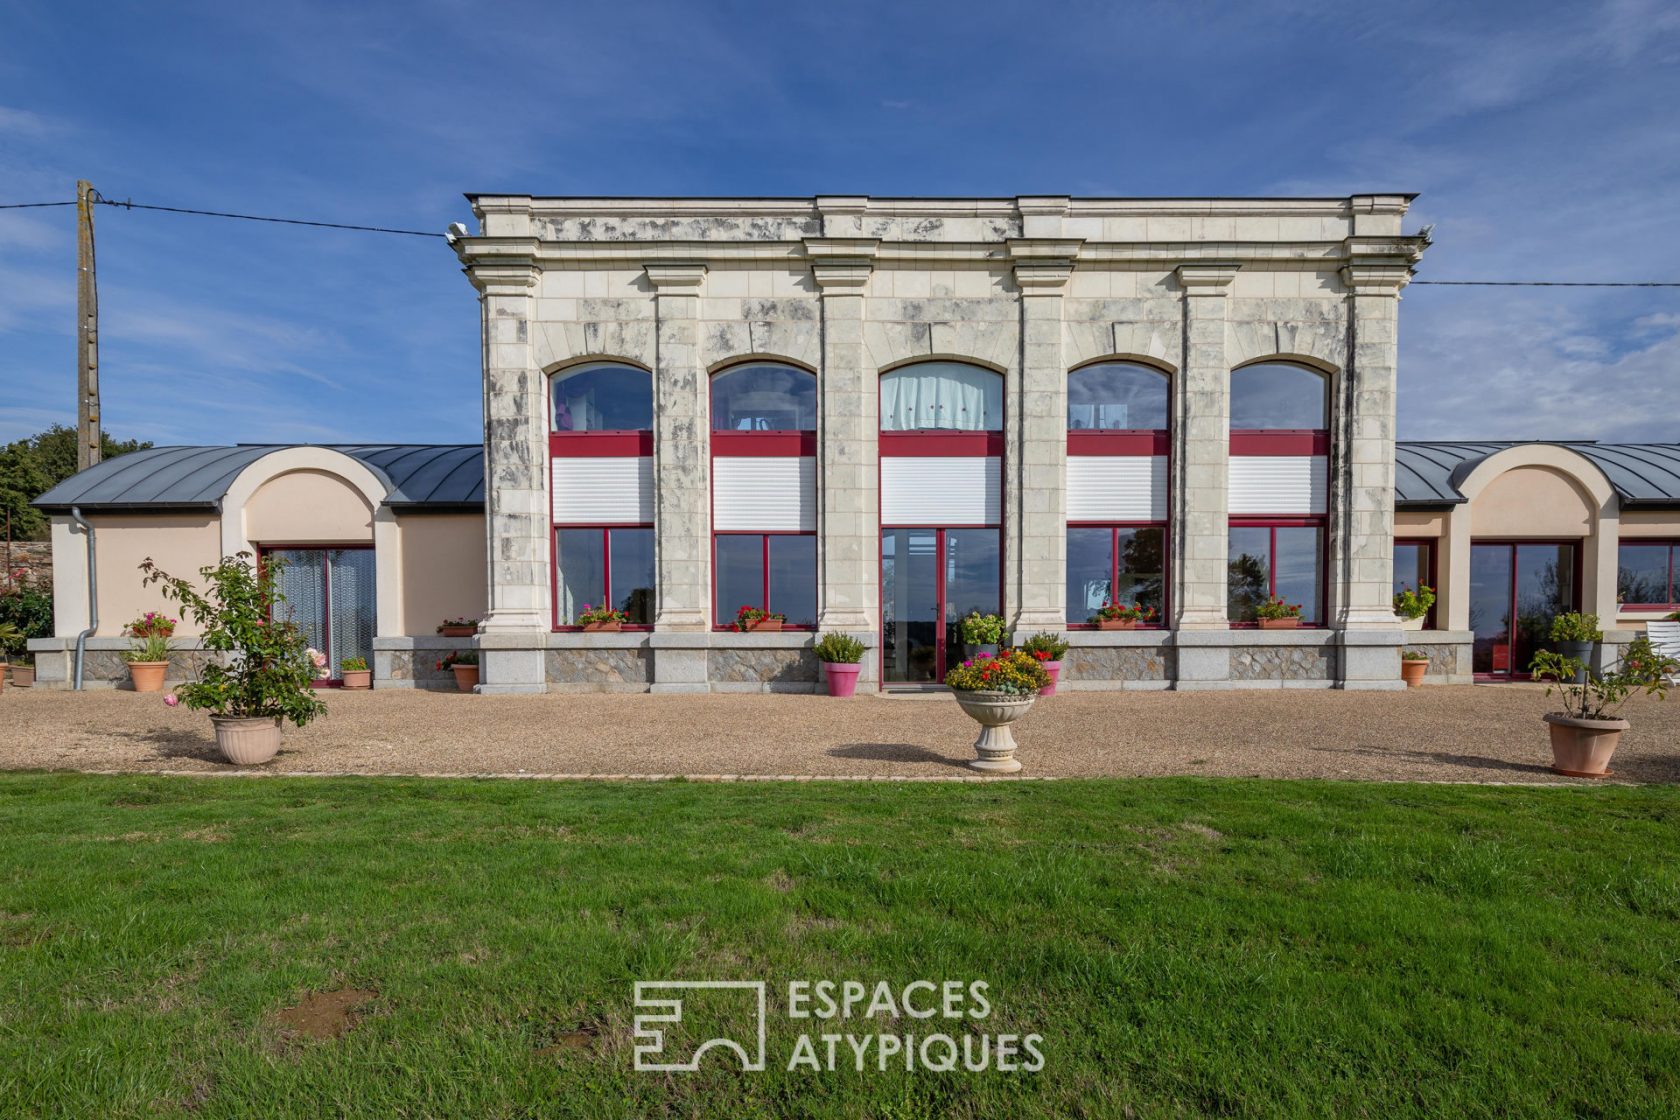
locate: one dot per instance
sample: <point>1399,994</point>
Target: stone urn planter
<point>842,678</point>
<point>23,676</point>
<point>358,680</point>
<point>1117,624</point>
<point>1581,748</point>
<point>147,676</point>
<point>1054,668</point>
<point>466,677</point>
<point>994,712</point>
<point>1412,671</point>
<point>247,741</point>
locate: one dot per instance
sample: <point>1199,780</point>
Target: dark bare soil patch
<point>323,1015</point>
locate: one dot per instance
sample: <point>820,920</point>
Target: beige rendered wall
<point>443,574</point>
<point>1650,523</point>
<point>1420,524</point>
<point>308,507</point>
<point>180,544</point>
<point>1533,502</point>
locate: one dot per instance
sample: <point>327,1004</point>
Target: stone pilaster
<point>681,472</point>
<point>848,512</point>
<point>1036,466</point>
<point>1201,445</point>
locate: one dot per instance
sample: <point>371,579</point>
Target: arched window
<point>1279,396</point>
<point>764,398</point>
<point>1278,491</point>
<point>764,516</point>
<point>603,397</point>
<point>941,396</point>
<point>1117,469</point>
<point>1117,397</point>
<point>601,471</point>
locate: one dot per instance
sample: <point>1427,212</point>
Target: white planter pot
<point>1413,623</point>
<point>247,742</point>
<point>994,712</point>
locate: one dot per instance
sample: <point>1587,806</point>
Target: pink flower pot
<point>1054,668</point>
<point>842,678</point>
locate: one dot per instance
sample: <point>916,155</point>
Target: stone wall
<point>33,559</point>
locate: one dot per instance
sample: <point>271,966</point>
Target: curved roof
<point>1428,473</point>
<point>415,475</point>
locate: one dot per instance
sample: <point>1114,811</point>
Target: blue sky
<point>1541,137</point>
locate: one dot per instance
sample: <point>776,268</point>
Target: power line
<point>1552,283</point>
<point>131,205</point>
<point>32,205</point>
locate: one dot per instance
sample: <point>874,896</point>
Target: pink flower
<point>171,700</point>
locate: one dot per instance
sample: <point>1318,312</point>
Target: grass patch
<point>394,947</point>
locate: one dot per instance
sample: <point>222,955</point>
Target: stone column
<point>1037,466</point>
<point>848,513</point>
<point>1201,452</point>
<point>681,483</point>
<point>516,503</point>
<point>1362,482</point>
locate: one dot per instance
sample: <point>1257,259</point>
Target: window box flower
<point>1120,616</point>
<point>749,619</point>
<point>1276,614</point>
<point>458,627</point>
<point>602,619</point>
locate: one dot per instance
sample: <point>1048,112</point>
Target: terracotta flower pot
<point>457,631</point>
<point>994,712</point>
<point>3,668</point>
<point>1280,623</point>
<point>1581,748</point>
<point>147,675</point>
<point>768,625</point>
<point>358,680</point>
<point>1412,672</point>
<point>842,677</point>
<point>247,741</point>
<point>23,676</point>
<point>1054,668</point>
<point>466,677</point>
<point>1117,624</point>
<point>603,627</point>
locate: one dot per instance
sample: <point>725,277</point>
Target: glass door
<point>329,596</point>
<point>1515,592</point>
<point>930,579</point>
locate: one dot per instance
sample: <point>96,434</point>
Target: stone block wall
<point>27,561</point>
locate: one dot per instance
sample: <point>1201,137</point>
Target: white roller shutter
<point>1262,484</point>
<point>1117,487</point>
<point>611,491</point>
<point>928,490</point>
<point>764,494</point>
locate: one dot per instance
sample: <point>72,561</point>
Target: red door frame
<point>1511,675</point>
<point>263,551</point>
<point>940,645</point>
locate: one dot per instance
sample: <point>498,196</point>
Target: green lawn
<point>1184,947</point>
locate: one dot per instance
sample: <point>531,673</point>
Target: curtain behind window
<point>946,395</point>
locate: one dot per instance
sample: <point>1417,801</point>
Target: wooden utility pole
<point>88,441</point>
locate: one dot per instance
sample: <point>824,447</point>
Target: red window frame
<point>1433,545</point>
<point>718,614</point>
<point>1577,586</point>
<point>606,571</point>
<point>1274,524</point>
<point>1673,547</point>
<point>1114,528</point>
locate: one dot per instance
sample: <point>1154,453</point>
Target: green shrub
<point>353,665</point>
<point>982,629</point>
<point>153,647</point>
<point>1572,626</point>
<point>1409,604</point>
<point>838,649</point>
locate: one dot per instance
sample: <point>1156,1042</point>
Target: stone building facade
<point>855,290</point>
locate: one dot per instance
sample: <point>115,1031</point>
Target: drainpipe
<point>93,592</point>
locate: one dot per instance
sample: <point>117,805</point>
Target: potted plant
<point>1413,607</point>
<point>842,660</point>
<point>995,692</point>
<point>23,670</point>
<point>1575,635</point>
<point>458,627</point>
<point>1276,614</point>
<point>148,656</point>
<point>263,677</point>
<point>464,662</point>
<point>355,673</point>
<point>758,618</point>
<point>1586,733</point>
<point>982,634</point>
<point>1047,649</point>
<point>1119,616</point>
<point>1414,663</point>
<point>601,618</point>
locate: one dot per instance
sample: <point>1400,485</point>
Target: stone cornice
<point>1212,279</point>
<point>504,276</point>
<point>1043,263</point>
<point>841,263</point>
<point>1376,278</point>
<point>676,277</point>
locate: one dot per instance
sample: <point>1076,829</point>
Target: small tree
<point>1641,669</point>
<point>270,670</point>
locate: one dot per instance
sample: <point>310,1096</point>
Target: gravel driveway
<point>1466,733</point>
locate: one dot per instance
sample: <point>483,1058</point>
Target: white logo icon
<point>650,1039</point>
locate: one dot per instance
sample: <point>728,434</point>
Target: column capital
<point>841,264</point>
<point>1212,279</point>
<point>1043,264</point>
<point>675,277</point>
<point>1376,278</point>
<point>504,277</point>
